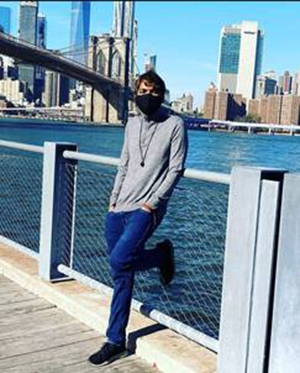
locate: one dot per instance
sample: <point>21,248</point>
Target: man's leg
<point>138,226</point>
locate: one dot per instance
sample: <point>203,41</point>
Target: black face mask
<point>148,104</point>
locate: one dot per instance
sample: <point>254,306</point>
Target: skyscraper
<point>151,62</point>
<point>240,58</point>
<point>28,32</point>
<point>41,30</point>
<point>5,17</point>
<point>80,29</point>
<point>41,42</point>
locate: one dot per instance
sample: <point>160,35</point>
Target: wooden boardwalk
<point>37,337</point>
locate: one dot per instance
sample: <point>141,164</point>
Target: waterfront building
<point>236,106</point>
<point>41,42</point>
<point>253,107</point>
<point>210,101</point>
<point>240,58</point>
<point>296,84</point>
<point>223,105</point>
<point>28,32</point>
<point>56,89</point>
<point>290,110</point>
<point>263,109</point>
<point>287,83</point>
<point>13,91</point>
<point>277,109</point>
<point>80,29</point>
<point>8,68</point>
<point>274,109</point>
<point>5,19</point>
<point>184,104</point>
<point>265,86</point>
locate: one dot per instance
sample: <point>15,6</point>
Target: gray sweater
<point>165,136</point>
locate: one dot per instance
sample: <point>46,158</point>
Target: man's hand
<point>147,207</point>
<point>111,207</point>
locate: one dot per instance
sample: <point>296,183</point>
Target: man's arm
<point>122,169</point>
<point>178,152</point>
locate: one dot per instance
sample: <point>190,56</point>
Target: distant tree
<point>198,113</point>
<point>249,118</point>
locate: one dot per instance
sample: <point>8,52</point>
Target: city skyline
<point>195,27</point>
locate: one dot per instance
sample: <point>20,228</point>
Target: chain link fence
<point>20,198</point>
<point>195,223</point>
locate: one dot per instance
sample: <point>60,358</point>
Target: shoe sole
<point>112,359</point>
<point>162,281</point>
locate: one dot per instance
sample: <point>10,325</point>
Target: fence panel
<point>195,223</point>
<point>20,198</point>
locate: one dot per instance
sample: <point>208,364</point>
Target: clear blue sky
<point>185,35</point>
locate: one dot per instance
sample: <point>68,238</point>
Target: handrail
<point>189,173</point>
<point>21,146</point>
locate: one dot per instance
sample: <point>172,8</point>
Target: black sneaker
<point>108,353</point>
<point>167,270</point>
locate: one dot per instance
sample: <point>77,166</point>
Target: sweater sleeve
<point>122,169</point>
<point>178,153</point>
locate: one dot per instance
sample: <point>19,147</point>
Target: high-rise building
<point>41,30</point>
<point>28,32</point>
<point>240,58</point>
<point>296,84</point>
<point>80,29</point>
<point>5,17</point>
<point>56,91</point>
<point>210,101</point>
<point>287,83</point>
<point>41,42</point>
<point>151,63</point>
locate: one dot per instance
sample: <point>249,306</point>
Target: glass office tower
<point>5,17</point>
<point>240,58</point>
<point>80,29</point>
<point>28,32</point>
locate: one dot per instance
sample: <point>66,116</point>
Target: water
<point>196,219</point>
<point>213,151</point>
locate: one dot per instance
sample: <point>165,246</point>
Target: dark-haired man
<point>152,161</point>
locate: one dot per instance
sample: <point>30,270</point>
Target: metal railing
<point>195,223</point>
<point>20,195</point>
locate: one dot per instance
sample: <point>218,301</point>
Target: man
<point>151,164</point>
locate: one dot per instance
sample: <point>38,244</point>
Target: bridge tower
<point>108,55</point>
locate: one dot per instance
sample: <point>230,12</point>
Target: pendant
<point>142,164</point>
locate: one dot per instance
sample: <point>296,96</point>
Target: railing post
<point>285,337</point>
<point>57,210</point>
<point>248,283</point>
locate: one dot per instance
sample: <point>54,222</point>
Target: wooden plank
<point>37,337</point>
<point>22,346</point>
<point>30,306</point>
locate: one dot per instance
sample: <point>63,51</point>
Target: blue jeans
<point>126,234</point>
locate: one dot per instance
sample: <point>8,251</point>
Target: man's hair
<point>152,78</point>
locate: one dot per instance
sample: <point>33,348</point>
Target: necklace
<point>143,156</point>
